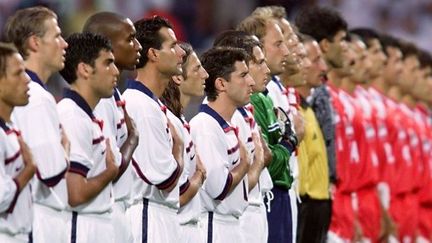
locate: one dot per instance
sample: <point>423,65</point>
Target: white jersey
<point>15,207</point>
<point>88,148</point>
<point>155,167</point>
<point>190,212</point>
<point>218,148</point>
<point>41,129</point>
<point>110,110</point>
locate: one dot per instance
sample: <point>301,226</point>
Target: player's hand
<point>299,126</point>
<point>266,150</point>
<point>244,157</point>
<point>201,168</point>
<point>131,128</point>
<point>27,156</point>
<point>259,151</point>
<point>65,143</point>
<point>388,227</point>
<point>110,159</point>
<point>358,232</point>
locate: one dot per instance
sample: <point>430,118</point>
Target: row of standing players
<point>208,181</point>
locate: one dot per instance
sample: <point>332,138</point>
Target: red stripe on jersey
<point>98,140</point>
<point>226,188</point>
<point>78,168</point>
<point>139,172</point>
<point>234,149</point>
<point>171,180</point>
<point>52,181</point>
<point>119,125</point>
<point>184,187</point>
<point>13,158</point>
<point>12,205</point>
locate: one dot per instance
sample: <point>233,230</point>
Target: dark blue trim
<point>265,92</point>
<point>210,228</point>
<point>52,181</point>
<point>30,237</point>
<point>184,187</point>
<point>79,100</point>
<point>35,78</point>
<point>207,109</point>
<point>226,188</point>
<point>171,180</point>
<point>245,194</point>
<point>116,94</point>
<point>74,227</point>
<point>78,168</point>
<point>144,228</point>
<point>4,126</point>
<point>134,84</point>
<point>15,198</point>
<point>242,111</point>
<point>277,81</point>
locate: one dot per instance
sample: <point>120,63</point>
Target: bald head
<point>121,32</point>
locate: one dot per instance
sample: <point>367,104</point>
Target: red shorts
<point>369,213</point>
<point>404,210</point>
<point>425,222</point>
<point>342,221</point>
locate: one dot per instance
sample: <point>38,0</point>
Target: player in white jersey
<point>92,74</point>
<point>158,159</point>
<point>225,191</point>
<point>177,95</point>
<point>36,34</point>
<point>249,133</point>
<point>118,126</point>
<point>16,163</point>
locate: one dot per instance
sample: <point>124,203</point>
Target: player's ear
<point>221,84</point>
<point>153,54</point>
<point>324,45</point>
<point>178,79</point>
<point>83,70</point>
<point>33,43</point>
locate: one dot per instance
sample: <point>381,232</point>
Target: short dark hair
<point>238,39</point>
<point>320,23</point>
<point>82,47</point>
<point>408,49</point>
<point>148,35</point>
<point>366,35</point>
<point>6,50</point>
<point>425,58</point>
<point>102,23</point>
<point>388,41</point>
<point>25,23</point>
<point>219,63</point>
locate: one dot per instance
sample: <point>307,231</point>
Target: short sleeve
<point>8,187</point>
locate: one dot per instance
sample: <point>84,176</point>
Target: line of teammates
<point>309,132</point>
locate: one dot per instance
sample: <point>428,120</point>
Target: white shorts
<point>6,238</point>
<point>121,223</point>
<point>49,225</point>
<point>222,228</point>
<point>192,233</point>
<point>253,224</point>
<point>90,228</point>
<point>294,213</point>
<point>154,223</point>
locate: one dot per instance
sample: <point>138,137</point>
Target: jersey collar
<point>224,125</point>
<point>79,100</point>
<point>4,126</point>
<point>133,84</point>
<point>35,78</point>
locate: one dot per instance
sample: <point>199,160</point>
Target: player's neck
<point>348,85</point>
<point>335,78</point>
<point>86,93</point>
<point>153,79</point>
<point>224,108</point>
<point>304,90</point>
<point>42,72</point>
<point>409,100</point>
<point>380,85</point>
<point>394,92</point>
<point>5,111</point>
<point>184,100</point>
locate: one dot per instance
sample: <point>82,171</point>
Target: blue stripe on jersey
<point>35,78</point>
<point>79,100</point>
<point>144,227</point>
<point>78,168</point>
<point>3,125</point>
<point>278,83</point>
<point>74,227</point>
<point>171,180</point>
<point>210,228</point>
<point>184,187</point>
<point>207,109</point>
<point>52,181</point>
<point>226,188</point>
<point>30,237</point>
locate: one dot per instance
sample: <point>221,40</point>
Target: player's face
<point>393,68</point>
<point>14,84</point>
<point>275,48</point>
<point>239,87</point>
<point>291,41</point>
<point>126,47</point>
<point>52,46</point>
<point>196,75</point>
<point>408,77</point>
<point>170,54</point>
<point>105,74</point>
<point>337,48</point>
<point>259,70</point>
<point>362,63</point>
<point>377,58</point>
<point>318,70</point>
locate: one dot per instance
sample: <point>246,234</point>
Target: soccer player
<point>176,97</point>
<point>158,159</point>
<point>92,74</point>
<point>118,126</point>
<point>280,214</point>
<point>225,192</point>
<point>37,36</point>
<point>250,134</point>
<point>17,166</point>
